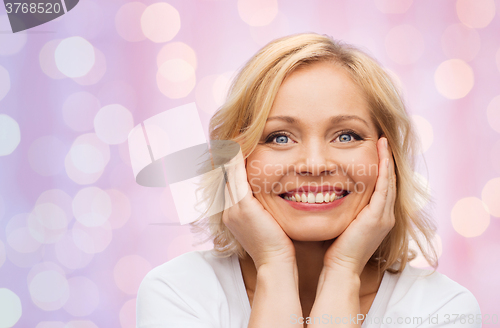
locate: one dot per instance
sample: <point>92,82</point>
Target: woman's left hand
<point>354,247</point>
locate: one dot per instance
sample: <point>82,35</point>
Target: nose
<point>316,159</point>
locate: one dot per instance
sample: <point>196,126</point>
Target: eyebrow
<point>333,119</point>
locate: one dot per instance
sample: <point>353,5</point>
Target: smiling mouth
<point>314,198</point>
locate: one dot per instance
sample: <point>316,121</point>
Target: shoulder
<point>430,294</point>
<point>184,289</point>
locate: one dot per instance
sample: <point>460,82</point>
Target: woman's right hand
<point>251,224</point>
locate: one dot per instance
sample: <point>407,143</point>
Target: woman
<point>323,237</point>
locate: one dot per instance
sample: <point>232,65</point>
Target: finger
<point>379,197</point>
<point>236,179</point>
<point>392,191</point>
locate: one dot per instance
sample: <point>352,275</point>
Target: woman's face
<point>318,139</point>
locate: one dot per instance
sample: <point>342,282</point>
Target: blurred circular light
<point>49,290</point>
<point>177,50</point>
<point>96,72</point>
<point>47,223</point>
<point>491,196</point>
<point>25,260</point>
<point>81,324</point>
<point>493,113</point>
<point>10,308</point>
<point>454,78</point>
<point>129,271</point>
<point>74,56</point>
<point>393,6</point>
<point>84,297</point>
<point>128,21</point>
<point>47,60</point>
<point>127,314</point>
<point>46,155</point>
<point>475,13</point>
<point>87,159</point>
<point>10,135</point>
<point>71,256</point>
<point>262,35</point>
<point>4,82</point>
<point>19,236</point>
<point>470,217</point>
<point>10,43</point>
<point>404,44</point>
<point>459,41</point>
<point>121,208</point>
<point>92,206</point>
<point>175,90</point>
<point>113,123</point>
<point>57,197</point>
<point>51,324</point>
<point>79,110</point>
<point>92,240</point>
<point>160,22</point>
<point>257,12</point>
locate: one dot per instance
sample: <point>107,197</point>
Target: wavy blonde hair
<point>243,116</point>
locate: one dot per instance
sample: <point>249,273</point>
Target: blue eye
<point>283,139</point>
<point>345,137</point>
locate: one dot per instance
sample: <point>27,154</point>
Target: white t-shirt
<point>198,289</point>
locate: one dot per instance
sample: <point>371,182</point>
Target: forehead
<point>320,90</point>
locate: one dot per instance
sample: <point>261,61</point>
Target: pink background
<point>78,234</point>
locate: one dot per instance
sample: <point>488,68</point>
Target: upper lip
<point>323,188</point>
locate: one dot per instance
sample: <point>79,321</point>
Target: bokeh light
<point>83,297</point>
<point>86,159</point>
<point>10,43</point>
<point>475,13</point>
<point>10,135</point>
<point>92,240</point>
<point>177,50</point>
<point>51,324</point>
<point>129,272</point>
<point>47,223</point>
<point>97,71</point>
<point>118,92</point>
<point>493,113</point>
<point>461,42</point>
<point>160,22</point>
<point>257,12</point>
<point>92,206</point>
<point>404,44</point>
<point>69,255</point>
<point>491,196</point>
<point>176,78</point>
<point>4,82</point>
<point>58,197</point>
<point>113,123</point>
<point>424,131</point>
<point>127,314</point>
<point>18,235</point>
<point>49,290</point>
<point>74,56</point>
<point>470,217</point>
<point>454,78</point>
<point>10,308</point>
<point>121,208</point>
<point>128,21</point>
<point>393,6</point>
<point>81,324</point>
<point>46,155</point>
<point>278,27</point>
<point>47,59</point>
<point>79,110</point>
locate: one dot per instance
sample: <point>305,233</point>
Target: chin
<point>317,233</point>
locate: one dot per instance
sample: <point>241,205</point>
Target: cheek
<point>263,170</point>
<point>361,166</point>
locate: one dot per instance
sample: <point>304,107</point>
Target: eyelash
<point>273,135</point>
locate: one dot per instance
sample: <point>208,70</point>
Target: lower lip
<point>316,207</point>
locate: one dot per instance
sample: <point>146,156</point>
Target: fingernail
<point>387,162</point>
<point>385,143</point>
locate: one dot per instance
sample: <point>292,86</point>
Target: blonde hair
<point>243,116</point>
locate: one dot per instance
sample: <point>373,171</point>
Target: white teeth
<point>311,198</point>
